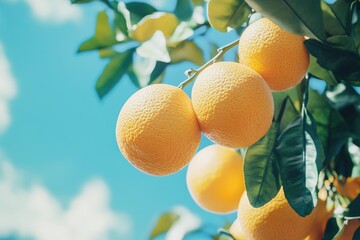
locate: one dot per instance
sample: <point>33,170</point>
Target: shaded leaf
<point>227,15</point>
<point>321,73</point>
<point>342,42</point>
<point>187,51</point>
<point>104,35</point>
<point>113,72</point>
<point>302,17</point>
<point>331,23</point>
<point>81,1</point>
<point>353,209</point>
<point>184,9</point>
<point>107,53</point>
<point>138,10</point>
<point>344,64</point>
<point>337,16</point>
<point>300,157</point>
<point>158,21</point>
<point>331,229</point>
<point>261,172</point>
<point>164,223</point>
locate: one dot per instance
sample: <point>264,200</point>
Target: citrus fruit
<point>348,230</point>
<point>233,104</point>
<point>235,231</point>
<point>157,130</point>
<point>275,220</point>
<point>215,179</point>
<point>350,189</point>
<point>280,57</point>
<point>324,213</point>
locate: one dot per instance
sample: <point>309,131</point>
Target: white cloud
<point>29,210</point>
<point>57,11</point>
<point>7,89</point>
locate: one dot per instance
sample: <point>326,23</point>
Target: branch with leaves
<point>142,42</point>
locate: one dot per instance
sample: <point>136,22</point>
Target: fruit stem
<point>192,74</point>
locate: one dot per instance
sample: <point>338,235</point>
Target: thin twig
<point>192,73</point>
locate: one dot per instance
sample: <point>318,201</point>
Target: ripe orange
<point>348,230</point>
<point>235,231</point>
<point>280,57</point>
<point>157,130</point>
<point>275,220</point>
<point>215,179</point>
<point>324,213</point>
<point>350,189</point>
<point>233,104</point>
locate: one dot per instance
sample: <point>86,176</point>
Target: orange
<point>324,213</point>
<point>350,189</point>
<point>157,130</point>
<point>275,220</point>
<point>233,104</point>
<point>215,179</point>
<point>235,231</point>
<point>280,57</point>
<point>348,230</point>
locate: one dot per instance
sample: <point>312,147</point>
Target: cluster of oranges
<point>159,129</point>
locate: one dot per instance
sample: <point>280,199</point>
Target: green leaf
<point>164,223</point>
<point>356,31</point>
<point>155,48</point>
<point>158,21</point>
<point>104,35</point>
<point>227,15</point>
<point>138,10</point>
<point>354,152</point>
<point>321,73</point>
<point>302,17</point>
<point>300,156</point>
<point>344,64</point>
<point>184,9</point>
<point>262,177</point>
<point>81,1</point>
<point>342,42</point>
<point>107,53</point>
<point>353,209</point>
<point>341,11</point>
<point>145,71</point>
<point>331,23</point>
<point>187,51</point>
<point>113,72</point>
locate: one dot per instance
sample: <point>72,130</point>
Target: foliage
<point>314,133</point>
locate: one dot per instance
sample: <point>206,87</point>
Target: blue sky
<point>58,154</point>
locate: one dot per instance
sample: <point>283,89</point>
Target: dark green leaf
<point>262,177</point>
<point>139,10</point>
<point>321,73</point>
<point>81,1</point>
<point>344,64</point>
<point>342,96</point>
<point>297,156</point>
<point>302,17</point>
<point>104,35</point>
<point>356,30</point>
<point>342,42</point>
<point>300,156</point>
<point>353,209</point>
<point>184,9</point>
<point>164,223</point>
<point>343,162</point>
<point>227,15</point>
<point>187,51</point>
<point>337,16</point>
<point>113,72</point>
<point>331,229</point>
